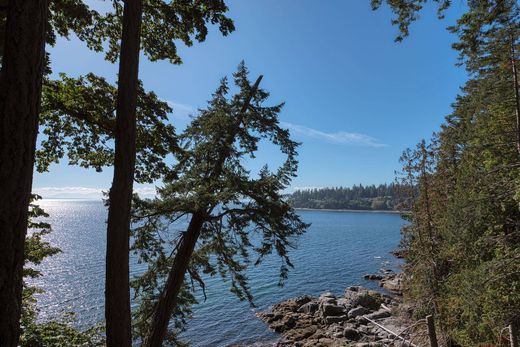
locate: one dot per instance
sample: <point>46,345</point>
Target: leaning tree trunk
<point>20,91</point>
<point>169,296</point>
<point>168,300</point>
<point>117,290</point>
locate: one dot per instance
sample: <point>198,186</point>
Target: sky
<point>353,97</point>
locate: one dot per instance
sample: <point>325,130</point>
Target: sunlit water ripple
<point>338,249</point>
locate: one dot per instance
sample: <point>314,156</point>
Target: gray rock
<point>337,335</point>
<point>360,319</point>
<point>351,334</point>
<point>343,302</point>
<point>354,288</point>
<point>327,300</point>
<point>356,312</point>
<point>303,299</point>
<point>335,319</point>
<point>367,298</point>
<point>393,283</point>
<point>309,308</point>
<point>382,313</point>
<point>373,277</point>
<point>363,328</point>
<point>327,295</point>
<point>332,310</point>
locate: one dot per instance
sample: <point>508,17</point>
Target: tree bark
<point>117,289</point>
<point>168,299</point>
<point>20,92</point>
<point>515,89</point>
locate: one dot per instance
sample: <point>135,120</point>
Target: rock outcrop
<point>334,321</point>
<point>393,282</point>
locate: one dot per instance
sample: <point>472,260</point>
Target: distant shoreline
<point>345,210</point>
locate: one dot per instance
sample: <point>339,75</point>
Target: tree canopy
<point>232,216</point>
<point>464,238</point>
<point>357,197</point>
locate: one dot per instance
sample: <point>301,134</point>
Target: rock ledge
<point>329,320</point>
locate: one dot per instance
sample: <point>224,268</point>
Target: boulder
<point>354,288</point>
<point>303,299</point>
<point>326,341</point>
<point>332,310</point>
<point>358,311</point>
<point>309,308</point>
<point>301,334</point>
<point>351,334</point>
<point>327,295</point>
<point>393,284</point>
<point>373,277</point>
<point>286,306</point>
<point>343,302</point>
<point>382,313</point>
<point>366,298</point>
<point>288,322</point>
<point>335,319</point>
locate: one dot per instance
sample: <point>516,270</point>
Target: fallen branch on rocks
<point>398,335</point>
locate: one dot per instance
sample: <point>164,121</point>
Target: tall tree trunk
<point>20,92</point>
<point>117,289</point>
<point>168,299</point>
<point>515,88</point>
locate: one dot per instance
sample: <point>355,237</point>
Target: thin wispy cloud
<point>180,110</point>
<point>339,138</point>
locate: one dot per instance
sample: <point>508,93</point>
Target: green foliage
<point>164,22</point>
<point>464,238</point>
<point>382,197</point>
<point>407,11</point>
<point>73,16</point>
<point>245,216</point>
<point>78,120</point>
<point>57,334</point>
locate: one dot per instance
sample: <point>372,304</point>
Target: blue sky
<point>354,97</point>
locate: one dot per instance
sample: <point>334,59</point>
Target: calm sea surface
<point>338,249</point>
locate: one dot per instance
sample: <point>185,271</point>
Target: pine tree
<point>229,212</point>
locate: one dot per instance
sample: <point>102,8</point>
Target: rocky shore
<point>392,282</point>
<point>359,318</point>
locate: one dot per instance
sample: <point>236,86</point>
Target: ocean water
<point>338,249</point>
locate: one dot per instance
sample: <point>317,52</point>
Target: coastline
<point>346,210</point>
<point>360,317</point>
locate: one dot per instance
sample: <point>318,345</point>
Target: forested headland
<point>384,197</point>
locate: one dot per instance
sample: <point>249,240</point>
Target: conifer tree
<point>20,90</point>
<point>467,272</point>
<point>229,212</point>
<point>160,30</point>
<point>117,275</point>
